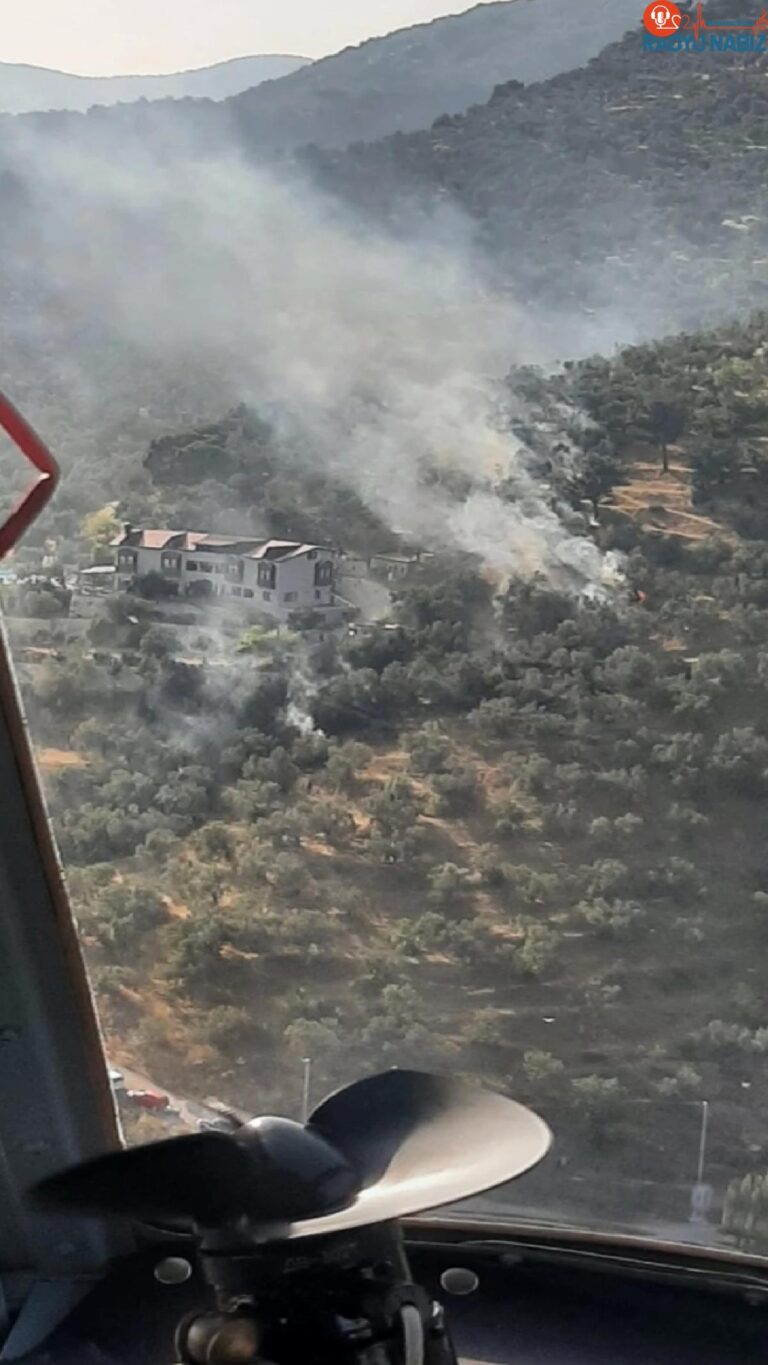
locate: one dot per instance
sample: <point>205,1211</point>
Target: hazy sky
<point>110,37</point>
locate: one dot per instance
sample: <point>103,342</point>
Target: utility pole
<point>701,1195</point>
<point>307,1061</point>
<point>703,1141</point>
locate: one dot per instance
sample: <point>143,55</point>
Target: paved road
<point>189,1110</point>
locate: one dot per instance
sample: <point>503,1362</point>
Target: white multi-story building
<point>276,577</point>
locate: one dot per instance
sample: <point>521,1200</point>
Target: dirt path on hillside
<point>652,495</point>
<point>51,759</point>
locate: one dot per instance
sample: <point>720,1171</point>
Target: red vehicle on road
<point>148,1099</point>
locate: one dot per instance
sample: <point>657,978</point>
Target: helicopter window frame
<point>49,1035</point>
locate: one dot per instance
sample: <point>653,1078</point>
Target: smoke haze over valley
<point>367,313</point>
<point>378,359</point>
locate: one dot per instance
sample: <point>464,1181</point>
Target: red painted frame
<point>42,490</point>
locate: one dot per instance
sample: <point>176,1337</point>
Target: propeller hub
<point>299,1174</point>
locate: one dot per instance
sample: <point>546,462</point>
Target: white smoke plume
<point>377,356</point>
<point>303,687</point>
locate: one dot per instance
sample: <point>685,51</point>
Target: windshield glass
<point>395,650</point>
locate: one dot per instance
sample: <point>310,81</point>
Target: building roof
<point>136,538</point>
<point>250,547</point>
<point>145,540</point>
<point>275,549</point>
<point>200,540</point>
<point>302,550</point>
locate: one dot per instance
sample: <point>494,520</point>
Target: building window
<point>324,574</point>
<point>311,554</point>
<point>206,568</point>
<point>266,576</point>
<point>237,592</point>
<point>127,559</point>
<point>191,565</point>
<point>318,595</point>
<point>267,596</point>
<point>290,597</point>
<point>221,568</point>
<point>247,592</point>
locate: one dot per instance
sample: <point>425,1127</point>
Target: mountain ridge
<point>380,87</point>
<point>26,87</point>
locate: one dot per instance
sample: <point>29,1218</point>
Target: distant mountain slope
<point>26,89</point>
<point>636,185</point>
<point>393,84</point>
<point>405,80</point>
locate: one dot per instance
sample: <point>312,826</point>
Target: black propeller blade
<point>393,1144</point>
<point>418,1140</point>
<point>273,1170</point>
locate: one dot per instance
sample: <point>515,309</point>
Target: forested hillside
<point>524,839</point>
<point>406,79</point>
<point>704,392</point>
<point>634,188</point>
